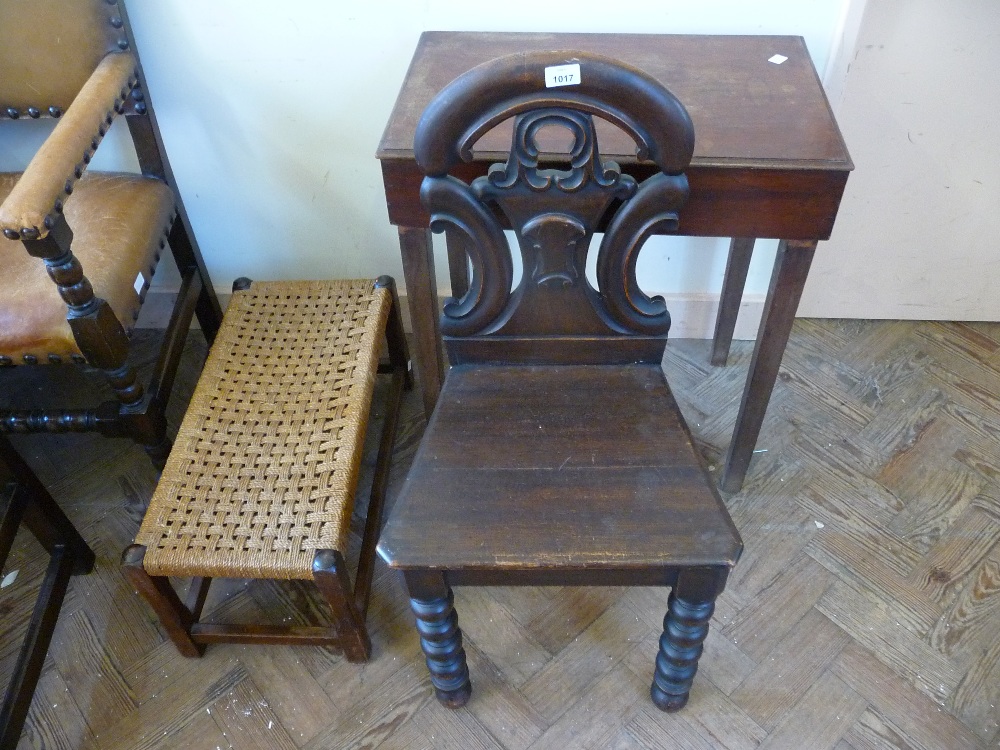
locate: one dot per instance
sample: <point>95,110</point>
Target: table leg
<point>421,291</point>
<point>740,252</point>
<point>791,266</point>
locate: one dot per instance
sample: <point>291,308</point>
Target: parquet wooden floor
<point>865,613</point>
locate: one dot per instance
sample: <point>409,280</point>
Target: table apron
<point>790,204</point>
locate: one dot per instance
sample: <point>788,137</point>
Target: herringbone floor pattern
<point>864,614</point>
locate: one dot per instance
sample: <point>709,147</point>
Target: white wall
<point>272,113</point>
<point>917,233</point>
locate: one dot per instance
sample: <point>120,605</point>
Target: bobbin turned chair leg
<point>433,605</point>
<point>174,616</point>
<point>685,627</point>
<point>330,574</point>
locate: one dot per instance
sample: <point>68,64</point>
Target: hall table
<point>769,161</point>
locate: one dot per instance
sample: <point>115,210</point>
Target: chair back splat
<point>556,454</point>
<point>555,315</point>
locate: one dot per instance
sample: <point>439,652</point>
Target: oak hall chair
<point>78,247</point>
<point>556,454</point>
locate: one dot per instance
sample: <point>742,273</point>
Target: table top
<point>769,159</point>
<point>747,111</point>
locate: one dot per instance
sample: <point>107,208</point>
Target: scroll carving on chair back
<point>554,203</point>
<point>49,48</point>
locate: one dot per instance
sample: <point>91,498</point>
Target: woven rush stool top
<point>265,464</point>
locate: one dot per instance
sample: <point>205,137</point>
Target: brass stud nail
<point>68,187</point>
<point>102,129</point>
<point>59,207</point>
<point>29,233</point>
<point>137,94</point>
<point>78,171</point>
<point>109,119</point>
<point>94,143</point>
<point>55,359</point>
<point>55,111</point>
<point>5,361</point>
<point>30,359</point>
<point>33,113</point>
<point>140,108</point>
<point>13,113</point>
<point>78,359</point>
<point>116,22</point>
<point>86,157</point>
<point>49,222</point>
<point>10,234</point>
<point>123,44</point>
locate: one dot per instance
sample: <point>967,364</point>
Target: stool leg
<point>157,591</point>
<point>685,628</point>
<point>433,603</point>
<point>330,574</point>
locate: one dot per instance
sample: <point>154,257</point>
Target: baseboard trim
<point>693,315</point>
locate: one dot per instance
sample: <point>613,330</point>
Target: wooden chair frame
<point>519,357</point>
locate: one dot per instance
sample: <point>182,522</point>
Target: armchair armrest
<point>28,212</point>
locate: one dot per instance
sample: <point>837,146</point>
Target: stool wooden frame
<point>304,423</point>
<point>556,453</point>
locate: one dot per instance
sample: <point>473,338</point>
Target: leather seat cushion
<point>119,224</point>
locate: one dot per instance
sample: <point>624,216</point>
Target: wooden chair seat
<point>120,224</point>
<point>261,480</point>
<point>533,468</point>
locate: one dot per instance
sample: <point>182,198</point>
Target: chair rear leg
<point>330,574</point>
<point>174,616</point>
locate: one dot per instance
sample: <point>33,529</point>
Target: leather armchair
<point>79,248</point>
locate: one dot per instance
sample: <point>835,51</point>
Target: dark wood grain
<point>738,100</point>
<point>574,467</point>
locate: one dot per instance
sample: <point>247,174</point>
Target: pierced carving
<point>653,209</point>
<point>451,202</point>
<point>554,209</point>
<point>585,162</point>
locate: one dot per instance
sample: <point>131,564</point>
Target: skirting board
<point>693,315</point>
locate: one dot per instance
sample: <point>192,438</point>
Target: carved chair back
<point>555,315</point>
<point>49,48</point>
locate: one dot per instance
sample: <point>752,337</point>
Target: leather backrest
<point>554,203</point>
<point>48,49</point>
